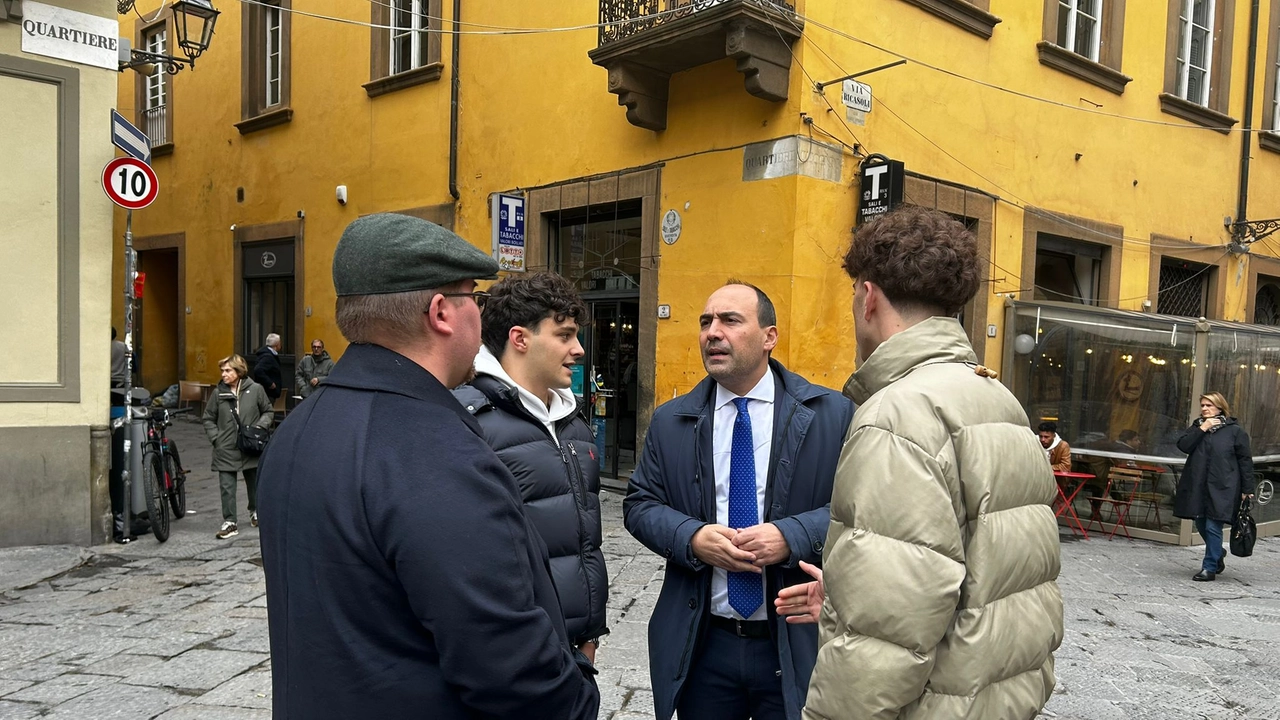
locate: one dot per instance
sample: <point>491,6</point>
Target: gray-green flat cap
<point>389,253</point>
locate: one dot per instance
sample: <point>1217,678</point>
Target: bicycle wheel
<point>153,485</point>
<point>177,487</point>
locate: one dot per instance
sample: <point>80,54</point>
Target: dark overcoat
<point>266,371</point>
<point>403,579</point>
<point>672,494</point>
<point>1219,470</point>
<point>560,484</point>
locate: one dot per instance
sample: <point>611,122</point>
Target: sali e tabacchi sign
<point>70,35</point>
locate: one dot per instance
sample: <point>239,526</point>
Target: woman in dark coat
<point>236,395</point>
<point>1217,476</point>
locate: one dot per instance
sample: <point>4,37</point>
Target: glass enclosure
<point>1122,387</point>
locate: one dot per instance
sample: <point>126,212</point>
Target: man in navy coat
<point>403,579</point>
<point>733,489</point>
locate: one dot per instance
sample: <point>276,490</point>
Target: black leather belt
<point>742,628</point>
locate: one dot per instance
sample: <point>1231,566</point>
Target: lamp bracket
<point>1249,231</point>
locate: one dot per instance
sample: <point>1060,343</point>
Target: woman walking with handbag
<point>1217,477</point>
<point>236,420</point>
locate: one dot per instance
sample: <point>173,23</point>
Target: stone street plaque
<point>793,155</point>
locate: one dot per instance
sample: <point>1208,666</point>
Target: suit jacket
<point>672,495</point>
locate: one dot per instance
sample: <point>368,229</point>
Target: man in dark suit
<point>266,367</point>
<point>403,578</point>
<point>733,489</point>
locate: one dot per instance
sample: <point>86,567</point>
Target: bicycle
<point>164,479</point>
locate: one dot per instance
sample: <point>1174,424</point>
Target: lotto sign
<point>130,183</point>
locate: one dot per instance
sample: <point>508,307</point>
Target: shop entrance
<point>611,372</point>
<point>598,249</point>
<point>155,321</point>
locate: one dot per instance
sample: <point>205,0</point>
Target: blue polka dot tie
<point>746,590</point>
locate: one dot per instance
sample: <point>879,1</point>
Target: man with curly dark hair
<point>521,397</point>
<point>942,556</point>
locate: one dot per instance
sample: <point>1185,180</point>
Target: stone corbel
<point>11,10</point>
<point>643,91</point>
<point>764,59</point>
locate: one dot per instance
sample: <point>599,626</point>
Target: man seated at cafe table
<point>1056,450</point>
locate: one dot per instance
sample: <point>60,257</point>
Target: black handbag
<point>1244,532</point>
<point>251,440</point>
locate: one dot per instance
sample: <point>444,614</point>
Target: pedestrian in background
<point>266,367</point>
<point>942,556</point>
<point>522,399</point>
<point>312,369</point>
<point>237,396</point>
<point>404,577</point>
<point>1217,476</point>
<point>732,489</point>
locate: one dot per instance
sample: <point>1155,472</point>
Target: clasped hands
<point>747,549</point>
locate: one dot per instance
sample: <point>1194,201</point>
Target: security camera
<point>342,194</point>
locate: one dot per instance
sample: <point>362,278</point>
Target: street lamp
<point>194,15</point>
<point>193,22</point>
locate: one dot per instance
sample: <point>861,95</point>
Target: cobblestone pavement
<point>178,631</point>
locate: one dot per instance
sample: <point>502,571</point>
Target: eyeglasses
<point>479,296</point>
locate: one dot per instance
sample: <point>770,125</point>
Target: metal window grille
<point>273,36</point>
<point>1184,289</point>
<point>1266,305</point>
<point>1079,23</point>
<point>1195,50</point>
<point>623,18</point>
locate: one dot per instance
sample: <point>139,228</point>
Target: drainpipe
<point>457,83</point>
<point>1246,142</point>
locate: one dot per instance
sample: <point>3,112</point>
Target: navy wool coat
<point>672,494</point>
<point>403,579</point>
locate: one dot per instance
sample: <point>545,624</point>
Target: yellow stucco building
<point>1094,148</point>
<point>56,92</point>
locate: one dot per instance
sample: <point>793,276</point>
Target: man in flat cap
<point>403,579</point>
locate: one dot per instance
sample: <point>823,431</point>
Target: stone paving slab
<point>177,631</point>
<point>23,566</point>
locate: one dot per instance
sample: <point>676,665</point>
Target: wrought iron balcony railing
<point>155,123</point>
<point>623,18</point>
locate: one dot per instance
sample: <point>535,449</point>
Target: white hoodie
<point>563,402</point>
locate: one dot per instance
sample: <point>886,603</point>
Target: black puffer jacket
<point>561,490</point>
<point>1219,470</point>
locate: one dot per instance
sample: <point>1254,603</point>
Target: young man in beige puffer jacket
<point>942,556</point>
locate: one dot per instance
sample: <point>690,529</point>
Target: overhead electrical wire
<point>499,30</point>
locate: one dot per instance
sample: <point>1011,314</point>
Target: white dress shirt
<point>760,408</point>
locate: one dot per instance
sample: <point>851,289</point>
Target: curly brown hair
<point>921,259</point>
<point>525,301</point>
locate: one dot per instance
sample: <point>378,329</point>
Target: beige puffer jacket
<point>942,556</point>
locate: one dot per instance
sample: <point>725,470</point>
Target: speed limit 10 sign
<point>130,183</point>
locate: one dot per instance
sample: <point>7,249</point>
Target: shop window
<point>1266,304</point>
<point>599,249</point>
<point>1184,288</point>
<point>265,65</point>
<point>405,45</point>
<point>1068,270</point>
<point>1198,66</point>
